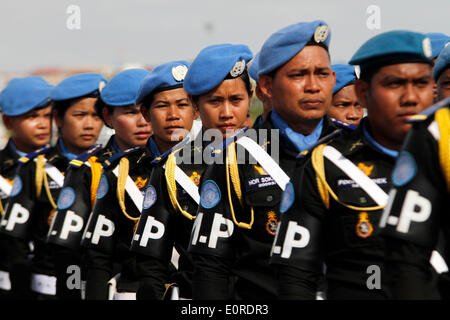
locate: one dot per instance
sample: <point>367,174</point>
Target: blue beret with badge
<point>78,85</point>
<point>345,74</point>
<point>442,62</point>
<point>284,44</point>
<point>253,68</point>
<point>123,88</point>
<point>166,76</point>
<point>392,47</point>
<point>213,64</point>
<point>438,42</point>
<point>24,94</point>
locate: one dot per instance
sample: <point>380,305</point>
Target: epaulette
<point>228,140</point>
<point>322,140</point>
<point>34,154</point>
<point>344,125</point>
<point>178,146</point>
<point>82,158</point>
<point>430,111</point>
<point>119,155</point>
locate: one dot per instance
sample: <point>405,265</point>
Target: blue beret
<point>253,68</point>
<point>77,86</point>
<point>122,89</point>
<point>442,62</point>
<point>24,94</point>
<point>344,75</point>
<point>438,42</point>
<point>213,64</point>
<point>284,44</point>
<point>165,76</point>
<point>393,47</point>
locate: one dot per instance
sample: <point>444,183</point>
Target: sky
<point>35,34</point>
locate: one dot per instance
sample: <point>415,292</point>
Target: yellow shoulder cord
<point>40,172</point>
<point>96,172</point>
<point>2,210</point>
<point>124,167</point>
<point>233,171</point>
<point>323,186</point>
<point>443,120</point>
<point>172,185</point>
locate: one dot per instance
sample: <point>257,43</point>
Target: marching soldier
<point>40,177</point>
<point>438,42</point>
<point>238,213</point>
<point>77,198</point>
<point>110,265</point>
<point>267,107</point>
<point>26,113</point>
<point>418,208</point>
<point>172,199</point>
<point>345,105</point>
<point>330,212</point>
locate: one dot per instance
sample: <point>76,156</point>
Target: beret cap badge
<point>179,72</point>
<point>238,68</point>
<point>426,44</point>
<point>321,34</point>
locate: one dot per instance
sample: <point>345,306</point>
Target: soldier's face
<point>31,130</point>
<point>80,126</point>
<point>395,93</point>
<point>171,115</point>
<point>345,106</point>
<point>301,90</point>
<point>131,129</point>
<point>225,107</point>
<point>443,85</point>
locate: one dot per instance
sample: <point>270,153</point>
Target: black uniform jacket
<point>342,234</point>
<point>232,262</point>
<point>418,220</point>
<point>107,236</point>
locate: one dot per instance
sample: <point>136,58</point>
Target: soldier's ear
<point>265,85</point>
<point>59,121</point>
<point>146,113</point>
<point>362,91</point>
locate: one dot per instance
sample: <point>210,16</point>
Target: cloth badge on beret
<point>426,44</point>
<point>17,186</point>
<point>321,34</point>
<point>237,69</point>
<point>179,72</point>
<point>150,197</point>
<point>66,198</point>
<point>287,198</point>
<point>210,195</point>
<point>103,187</point>
<point>405,169</point>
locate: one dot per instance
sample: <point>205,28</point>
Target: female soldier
<point>345,105</point>
<point>171,200</point>
<point>76,200</point>
<point>37,184</point>
<point>119,199</point>
<point>26,113</point>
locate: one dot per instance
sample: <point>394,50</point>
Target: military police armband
<point>410,216</point>
<point>33,154</point>
<point>81,159</point>
<point>116,157</point>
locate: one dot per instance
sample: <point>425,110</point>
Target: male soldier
<point>330,213</point>
<point>27,115</point>
<point>418,205</point>
<point>438,42</point>
<point>238,212</point>
<point>345,105</point>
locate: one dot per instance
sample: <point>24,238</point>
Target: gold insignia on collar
<point>366,169</point>
<point>364,228</point>
<point>356,144</point>
<point>140,182</point>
